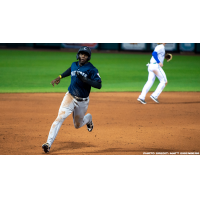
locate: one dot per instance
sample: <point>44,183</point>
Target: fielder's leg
<point>148,85</point>
<point>163,81</point>
<point>66,108</point>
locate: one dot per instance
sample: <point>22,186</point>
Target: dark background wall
<point>131,47</point>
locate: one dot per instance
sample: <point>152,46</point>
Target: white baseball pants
<point>69,105</point>
<point>154,71</point>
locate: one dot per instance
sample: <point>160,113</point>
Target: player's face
<point>83,58</point>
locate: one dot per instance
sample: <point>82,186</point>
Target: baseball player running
<point>155,70</point>
<point>83,76</point>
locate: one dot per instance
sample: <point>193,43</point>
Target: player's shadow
<point>181,102</point>
<point>129,151</point>
<point>70,146</point>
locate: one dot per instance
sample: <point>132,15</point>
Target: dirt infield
<point>122,126</point>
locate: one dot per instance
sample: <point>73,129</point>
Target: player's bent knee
<point>77,125</point>
<point>166,83</point>
<point>163,82</point>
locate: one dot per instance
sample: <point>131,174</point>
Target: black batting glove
<point>82,78</point>
<point>94,84</point>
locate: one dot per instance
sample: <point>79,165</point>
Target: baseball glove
<point>168,57</point>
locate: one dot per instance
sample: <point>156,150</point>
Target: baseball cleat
<point>153,98</point>
<point>90,126</point>
<point>46,147</point>
<point>141,101</point>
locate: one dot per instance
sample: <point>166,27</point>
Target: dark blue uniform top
<point>77,87</point>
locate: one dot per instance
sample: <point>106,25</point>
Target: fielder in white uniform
<point>155,70</point>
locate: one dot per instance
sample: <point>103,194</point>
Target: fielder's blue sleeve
<point>155,55</point>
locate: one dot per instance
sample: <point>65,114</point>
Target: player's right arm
<point>155,55</point>
<point>63,75</point>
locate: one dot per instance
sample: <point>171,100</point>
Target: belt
<point>79,98</point>
<point>151,64</point>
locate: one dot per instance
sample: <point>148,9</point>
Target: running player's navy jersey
<point>77,87</point>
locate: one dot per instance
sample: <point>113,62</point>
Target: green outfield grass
<point>32,71</point>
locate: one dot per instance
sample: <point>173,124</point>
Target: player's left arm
<point>155,53</point>
<point>95,80</point>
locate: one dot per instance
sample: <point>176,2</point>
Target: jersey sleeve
<point>155,55</point>
<point>66,73</point>
<point>95,75</point>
